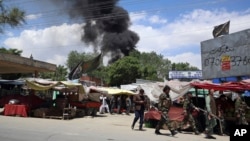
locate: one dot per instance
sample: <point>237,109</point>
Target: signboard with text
<point>185,74</point>
<point>226,56</point>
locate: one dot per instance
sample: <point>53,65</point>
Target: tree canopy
<point>59,75</point>
<point>138,65</point>
<point>10,16</point>
<point>11,51</point>
<point>123,71</point>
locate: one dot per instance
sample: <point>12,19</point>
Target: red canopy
<point>232,86</point>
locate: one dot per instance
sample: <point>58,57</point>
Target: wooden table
<point>15,110</point>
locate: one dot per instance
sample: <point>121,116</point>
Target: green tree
<point>75,57</point>
<point>11,51</point>
<point>59,75</point>
<point>123,71</point>
<point>183,67</point>
<point>10,16</point>
<point>152,66</point>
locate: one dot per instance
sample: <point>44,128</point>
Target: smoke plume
<point>106,26</point>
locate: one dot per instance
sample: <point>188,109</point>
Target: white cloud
<point>180,39</point>
<point>189,57</point>
<point>156,19</point>
<point>50,44</point>
<point>33,16</point>
<point>177,40</point>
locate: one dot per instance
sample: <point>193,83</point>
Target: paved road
<point>102,128</point>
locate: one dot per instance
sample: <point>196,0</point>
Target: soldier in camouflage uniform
<point>188,108</point>
<point>164,105</point>
<point>240,108</point>
<point>221,107</point>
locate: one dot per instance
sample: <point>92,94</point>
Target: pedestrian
<point>112,104</point>
<point>210,115</point>
<point>140,102</point>
<point>188,108</point>
<point>104,105</point>
<point>128,105</point>
<point>240,108</point>
<point>119,104</point>
<point>164,105</point>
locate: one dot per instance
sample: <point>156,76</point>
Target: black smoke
<point>106,26</point>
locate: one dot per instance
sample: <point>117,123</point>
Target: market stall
<point>113,94</point>
<point>229,89</point>
<point>62,94</point>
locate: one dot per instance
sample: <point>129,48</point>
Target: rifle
<point>219,119</point>
<point>207,112</point>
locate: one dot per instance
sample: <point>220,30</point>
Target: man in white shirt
<point>104,105</point>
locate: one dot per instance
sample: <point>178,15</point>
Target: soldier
<point>211,113</point>
<point>188,108</point>
<point>240,108</point>
<point>164,105</point>
<point>221,106</point>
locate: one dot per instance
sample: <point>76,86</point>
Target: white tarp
<point>154,89</point>
<point>129,87</point>
<point>178,88</point>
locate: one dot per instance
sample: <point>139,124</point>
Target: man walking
<point>139,101</point>
<point>240,108</point>
<point>164,105</point>
<point>104,105</point>
<point>211,113</point>
<point>188,108</point>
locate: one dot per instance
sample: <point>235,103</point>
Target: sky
<point>173,29</point>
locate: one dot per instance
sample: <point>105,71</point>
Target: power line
<point>112,16</point>
<point>120,15</point>
<point>171,34</point>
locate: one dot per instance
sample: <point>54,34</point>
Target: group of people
<point>213,112</point>
<point>119,104</point>
<point>163,105</point>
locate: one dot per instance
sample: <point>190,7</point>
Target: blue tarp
<point>247,93</point>
<point>229,79</point>
<point>12,82</point>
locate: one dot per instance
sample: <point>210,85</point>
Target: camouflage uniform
<point>221,106</point>
<point>188,107</point>
<point>240,108</point>
<point>164,105</point>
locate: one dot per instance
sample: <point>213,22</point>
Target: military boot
<point>173,132</point>
<point>179,130</point>
<point>157,132</point>
<point>196,132</point>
